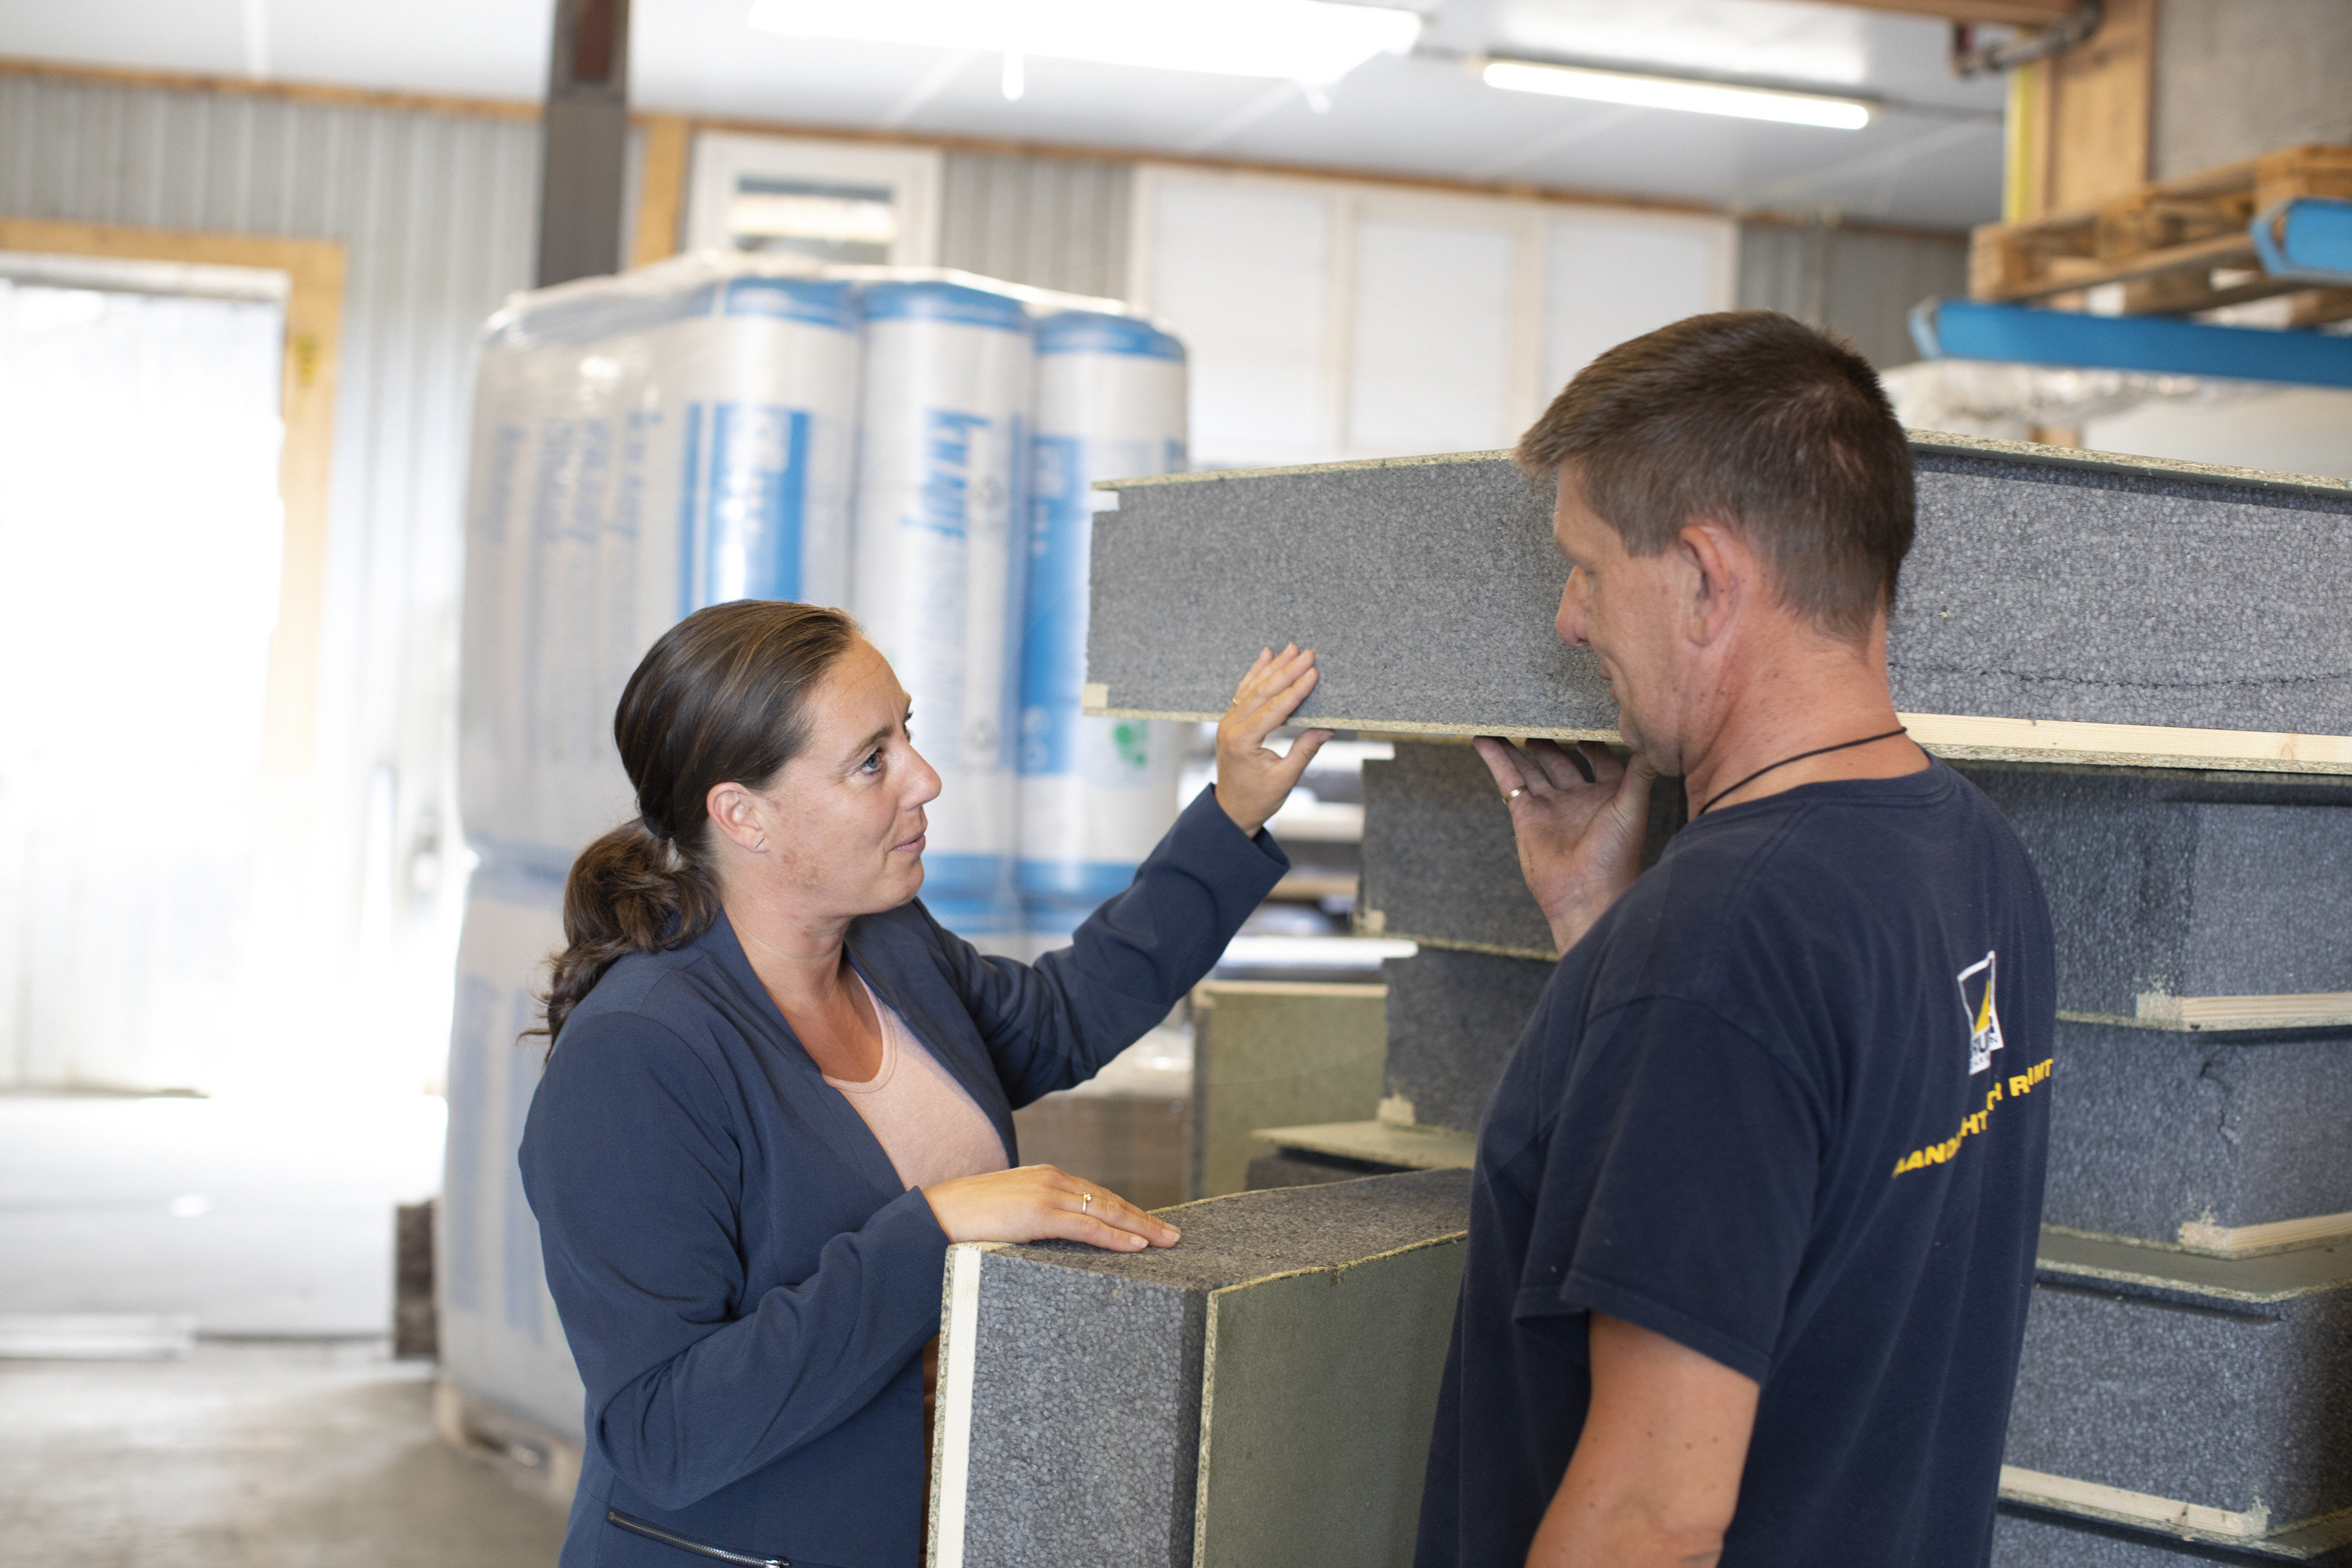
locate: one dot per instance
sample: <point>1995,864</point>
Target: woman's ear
<point>736,812</point>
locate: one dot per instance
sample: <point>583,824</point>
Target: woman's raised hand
<point>1253,780</point>
<point>1034,1202</point>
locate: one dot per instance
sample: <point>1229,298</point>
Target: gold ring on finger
<point>1084,1200</point>
<point>1515,794</point>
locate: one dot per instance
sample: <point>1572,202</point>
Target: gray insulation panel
<point>1083,1423</point>
<point>1453,1019</point>
<point>1321,1391</point>
<point>1440,862</point>
<point>2041,586</point>
<point>2152,1130</point>
<point>2169,885</point>
<point>2218,1383</point>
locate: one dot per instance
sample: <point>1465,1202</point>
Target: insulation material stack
<point>508,1370</point>
<point>1095,794</point>
<point>2198,1259</point>
<point>942,467</point>
<point>2139,662</point>
<point>643,446</point>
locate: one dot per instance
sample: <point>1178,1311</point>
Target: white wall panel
<point>1610,277</point>
<point>1240,270</point>
<point>438,213</point>
<point>1431,351</point>
<point>1336,318</point>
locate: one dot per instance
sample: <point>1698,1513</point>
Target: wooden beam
<point>661,188</point>
<point>284,91</point>
<point>314,316</point>
<point>2098,102</point>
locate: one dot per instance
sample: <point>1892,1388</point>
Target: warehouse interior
<point>313,314</point>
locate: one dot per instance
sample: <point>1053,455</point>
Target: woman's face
<point>845,819</point>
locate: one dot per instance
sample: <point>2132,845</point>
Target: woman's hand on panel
<point>1253,780</point>
<point>1036,1202</point>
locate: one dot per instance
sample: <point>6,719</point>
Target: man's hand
<point>1580,843</point>
<point>1655,1476</point>
<point>1252,779</point>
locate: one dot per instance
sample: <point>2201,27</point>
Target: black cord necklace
<point>1800,756</point>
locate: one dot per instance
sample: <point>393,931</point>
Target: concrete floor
<point>249,1455</point>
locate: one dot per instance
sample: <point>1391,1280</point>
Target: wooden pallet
<point>2175,247</point>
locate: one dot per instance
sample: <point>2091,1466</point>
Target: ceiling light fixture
<point>1678,92</point>
<point>1297,40</point>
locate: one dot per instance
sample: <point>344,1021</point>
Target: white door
<point>138,557</point>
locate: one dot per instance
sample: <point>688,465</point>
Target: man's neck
<point>1793,692</point>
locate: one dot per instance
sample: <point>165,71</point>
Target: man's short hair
<point>1759,422</point>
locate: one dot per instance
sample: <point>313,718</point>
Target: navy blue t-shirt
<point>1786,1104</point>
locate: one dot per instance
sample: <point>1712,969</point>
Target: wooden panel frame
<point>314,315</point>
<point>662,187</point>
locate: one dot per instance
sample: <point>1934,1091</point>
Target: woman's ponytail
<point>628,892</point>
<point>720,698</point>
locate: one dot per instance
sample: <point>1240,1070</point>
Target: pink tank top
<point>931,1129</point>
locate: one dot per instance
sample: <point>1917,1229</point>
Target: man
<point>1753,1222</point>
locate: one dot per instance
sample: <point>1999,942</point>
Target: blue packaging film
<point>939,513</point>
<point>1094,794</point>
<point>740,501</point>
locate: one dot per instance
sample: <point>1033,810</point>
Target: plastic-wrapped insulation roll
<point>500,1338</point>
<point>942,454</point>
<point>643,446</point>
<point>1095,794</point>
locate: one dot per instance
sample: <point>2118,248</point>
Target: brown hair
<point>720,697</point>
<point>1757,420</point>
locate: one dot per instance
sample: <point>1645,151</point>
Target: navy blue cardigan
<point>746,1286</point>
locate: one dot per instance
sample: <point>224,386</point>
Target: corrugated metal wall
<point>438,215</point>
<point>1052,222</point>
<point>1860,282</point>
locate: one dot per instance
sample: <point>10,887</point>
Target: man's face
<point>1624,608</point>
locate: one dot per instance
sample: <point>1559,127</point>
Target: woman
<point>778,1089</point>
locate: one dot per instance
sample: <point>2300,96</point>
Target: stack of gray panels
<point>2172,1405</point>
<point>2204,925</point>
<point>1260,1394</point>
<point>2142,663</point>
<point>1441,866</point>
<point>2189,1352</point>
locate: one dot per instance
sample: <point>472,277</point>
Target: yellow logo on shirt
<point>1984,1039</point>
<point>1984,1020</point>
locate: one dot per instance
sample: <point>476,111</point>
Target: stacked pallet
<point>2141,662</point>
<point>2174,247</point>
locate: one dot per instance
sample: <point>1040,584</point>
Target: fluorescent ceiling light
<point>1297,40</point>
<point>1672,92</point>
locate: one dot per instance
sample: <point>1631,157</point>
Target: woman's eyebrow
<point>857,752</point>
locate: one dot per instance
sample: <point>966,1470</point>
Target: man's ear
<point>735,810</point>
<point>1722,571</point>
